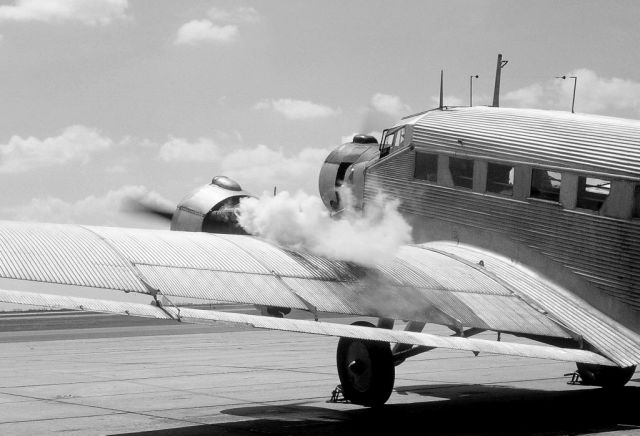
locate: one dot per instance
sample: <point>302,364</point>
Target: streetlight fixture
<point>575,83</point>
<point>471,89</point>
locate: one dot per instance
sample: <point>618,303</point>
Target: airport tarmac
<point>102,374</point>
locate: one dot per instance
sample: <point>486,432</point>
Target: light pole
<point>471,89</point>
<point>575,83</point>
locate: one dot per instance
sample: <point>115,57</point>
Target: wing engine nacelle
<point>211,208</point>
<point>345,167</point>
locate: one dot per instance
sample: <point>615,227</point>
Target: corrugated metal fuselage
<point>595,257</point>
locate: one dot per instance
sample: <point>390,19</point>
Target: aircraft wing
<point>439,284</point>
<point>197,316</point>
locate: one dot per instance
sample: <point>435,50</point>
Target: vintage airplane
<point>525,222</point>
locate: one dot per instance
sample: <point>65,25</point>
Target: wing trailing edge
<point>198,316</point>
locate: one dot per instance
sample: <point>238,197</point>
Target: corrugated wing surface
<point>622,345</point>
<point>417,285</point>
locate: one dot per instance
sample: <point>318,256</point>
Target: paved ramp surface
<point>101,374</point>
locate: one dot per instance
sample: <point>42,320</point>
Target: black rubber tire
<point>371,382</point>
<point>605,376</point>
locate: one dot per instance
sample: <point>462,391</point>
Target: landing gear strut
<point>366,370</point>
<point>605,376</point>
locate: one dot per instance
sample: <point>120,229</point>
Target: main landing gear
<point>366,370</point>
<point>605,376</point>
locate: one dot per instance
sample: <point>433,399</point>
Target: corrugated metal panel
<point>234,287</point>
<point>210,267</point>
<point>559,139</point>
<point>605,334</point>
<point>62,254</point>
<point>605,252</point>
<point>303,326</point>
<point>450,274</point>
<point>274,259</point>
<point>180,249</point>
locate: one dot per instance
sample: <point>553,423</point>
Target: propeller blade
<point>143,206</point>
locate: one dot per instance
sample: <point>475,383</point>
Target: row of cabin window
<point>591,192</point>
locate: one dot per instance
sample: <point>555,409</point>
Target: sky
<point>101,100</point>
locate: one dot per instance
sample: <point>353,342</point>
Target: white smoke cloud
<point>301,222</point>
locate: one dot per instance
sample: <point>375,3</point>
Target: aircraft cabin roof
<point>561,140</point>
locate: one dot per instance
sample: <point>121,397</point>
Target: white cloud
<point>197,31</point>
<point>92,210</point>
<point>237,15</point>
<point>262,168</point>
<point>390,105</point>
<point>181,150</point>
<point>594,94</point>
<point>220,27</point>
<point>450,100</point>
<point>297,109</point>
<point>74,144</point>
<point>90,12</point>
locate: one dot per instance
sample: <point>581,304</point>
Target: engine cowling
<point>211,208</point>
<point>345,166</point>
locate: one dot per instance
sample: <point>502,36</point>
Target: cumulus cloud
<point>74,144</point>
<point>237,16</point>
<point>297,109</point>
<point>262,167</point>
<point>390,105</point>
<point>197,31</point>
<point>182,150</point>
<point>450,100</point>
<point>221,26</point>
<point>90,12</point>
<point>383,110</point>
<point>106,209</point>
<point>301,221</point>
<point>594,94</point>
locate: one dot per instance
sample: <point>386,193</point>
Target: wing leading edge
<point>197,316</point>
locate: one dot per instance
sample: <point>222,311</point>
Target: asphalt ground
<point>83,373</point>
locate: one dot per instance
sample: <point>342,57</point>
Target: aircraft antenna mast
<point>441,89</point>
<point>496,89</point>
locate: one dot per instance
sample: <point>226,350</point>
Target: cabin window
<point>636,202</point>
<point>592,192</point>
<point>426,167</point>
<point>461,172</point>
<point>545,184</point>
<point>500,179</point>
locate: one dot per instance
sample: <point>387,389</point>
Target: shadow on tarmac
<point>457,409</point>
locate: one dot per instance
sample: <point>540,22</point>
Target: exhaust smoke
<point>300,221</point>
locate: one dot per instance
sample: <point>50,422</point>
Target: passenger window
<point>461,172</point>
<point>545,184</point>
<point>592,192</point>
<point>636,202</point>
<point>426,167</point>
<point>500,179</point>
